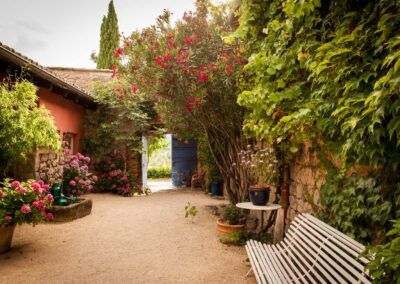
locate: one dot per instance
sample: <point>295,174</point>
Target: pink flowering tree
<point>114,177</point>
<point>77,178</point>
<point>192,76</point>
<point>24,202</point>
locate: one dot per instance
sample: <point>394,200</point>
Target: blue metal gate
<point>184,160</point>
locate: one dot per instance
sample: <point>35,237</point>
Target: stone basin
<point>72,211</point>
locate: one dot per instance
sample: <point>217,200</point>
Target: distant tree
<point>109,39</point>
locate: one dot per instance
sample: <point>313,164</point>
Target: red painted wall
<point>68,116</point>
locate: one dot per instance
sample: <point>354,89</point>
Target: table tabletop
<point>251,206</point>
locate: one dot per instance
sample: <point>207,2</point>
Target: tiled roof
<point>45,73</point>
<point>83,77</point>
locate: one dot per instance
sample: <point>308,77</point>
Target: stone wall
<point>49,166</point>
<point>306,179</point>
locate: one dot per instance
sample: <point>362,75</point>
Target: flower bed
<point>77,178</point>
<point>113,177</point>
<point>24,202</point>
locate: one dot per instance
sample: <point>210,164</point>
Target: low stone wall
<point>49,166</point>
<point>306,179</point>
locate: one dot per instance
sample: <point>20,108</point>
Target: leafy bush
<point>77,180</point>
<point>232,215</point>
<point>25,127</point>
<point>385,264</point>
<point>114,177</point>
<point>354,205</point>
<point>159,173</point>
<point>24,202</point>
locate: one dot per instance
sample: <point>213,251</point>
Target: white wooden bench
<point>312,252</point>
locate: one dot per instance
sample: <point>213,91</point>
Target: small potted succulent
<point>22,202</point>
<point>263,168</point>
<point>232,223</point>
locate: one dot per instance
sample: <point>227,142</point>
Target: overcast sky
<point>65,32</point>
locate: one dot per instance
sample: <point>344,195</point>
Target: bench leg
<point>249,272</point>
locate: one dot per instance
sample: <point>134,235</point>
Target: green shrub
<point>385,266</point>
<point>24,127</point>
<point>232,215</point>
<point>159,173</point>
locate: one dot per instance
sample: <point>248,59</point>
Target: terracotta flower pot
<point>6,234</point>
<point>225,231</point>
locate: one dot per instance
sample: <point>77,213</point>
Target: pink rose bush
<point>77,178</point>
<point>112,176</point>
<point>24,202</point>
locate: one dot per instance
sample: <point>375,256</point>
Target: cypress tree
<point>109,40</point>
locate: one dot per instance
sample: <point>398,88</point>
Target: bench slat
<point>267,264</point>
<point>352,265</point>
<point>315,259</point>
<point>303,274</point>
<point>337,246</point>
<point>254,264</point>
<point>286,262</point>
<point>352,243</point>
<point>329,255</point>
<point>283,276</point>
<point>306,262</point>
<point>312,252</point>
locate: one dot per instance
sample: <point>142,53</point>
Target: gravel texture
<point>127,240</point>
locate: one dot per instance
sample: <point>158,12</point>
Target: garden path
<point>127,240</point>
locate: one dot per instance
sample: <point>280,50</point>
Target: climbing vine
<point>327,72</point>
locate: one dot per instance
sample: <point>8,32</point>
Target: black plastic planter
<point>259,196</point>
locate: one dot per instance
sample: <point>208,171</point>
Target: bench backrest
<point>332,253</point>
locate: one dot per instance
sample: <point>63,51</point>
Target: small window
<point>68,141</point>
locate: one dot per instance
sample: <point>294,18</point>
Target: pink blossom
<point>21,190</point>
<point>74,157</point>
<point>187,40</point>
<point>36,186</point>
<point>90,187</point>
<point>45,187</point>
<point>113,186</point>
<point>118,52</point>
<point>49,216</point>
<point>1,193</point>
<point>112,166</point>
<point>94,178</point>
<point>67,151</point>
<point>74,164</point>
<point>81,181</point>
<point>15,184</point>
<point>73,191</point>
<point>40,182</point>
<point>35,204</point>
<point>7,217</point>
<point>88,182</point>
<point>72,183</point>
<point>41,203</point>
<point>26,209</point>
<point>49,197</point>
<point>87,159</point>
<point>76,178</point>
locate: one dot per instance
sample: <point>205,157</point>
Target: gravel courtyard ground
<point>127,240</point>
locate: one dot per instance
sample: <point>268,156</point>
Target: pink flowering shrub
<point>77,178</point>
<point>24,202</point>
<point>114,177</point>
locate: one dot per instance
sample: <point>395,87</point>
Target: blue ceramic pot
<point>259,196</point>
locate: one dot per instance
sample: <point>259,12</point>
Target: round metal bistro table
<point>262,208</point>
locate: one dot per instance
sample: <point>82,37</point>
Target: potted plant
<point>231,223</point>
<point>25,202</point>
<point>263,168</point>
